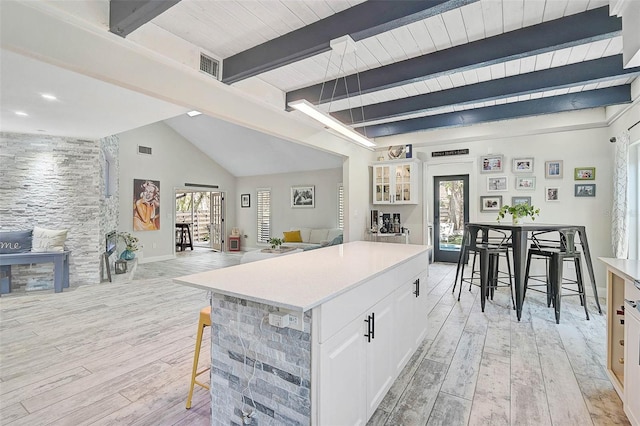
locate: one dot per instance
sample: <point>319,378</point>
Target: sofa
<point>310,238</point>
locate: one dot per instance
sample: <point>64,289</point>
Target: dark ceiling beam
<point>569,102</point>
<point>573,30</point>
<point>126,16</point>
<point>594,71</point>
<point>361,21</point>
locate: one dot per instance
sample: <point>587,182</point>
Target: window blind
<point>264,215</point>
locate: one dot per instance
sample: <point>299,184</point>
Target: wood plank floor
<point>121,354</point>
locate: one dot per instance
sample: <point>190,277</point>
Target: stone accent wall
<point>55,182</point>
<point>109,205</point>
<point>257,366</point>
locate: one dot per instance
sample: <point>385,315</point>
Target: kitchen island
<point>356,314</point>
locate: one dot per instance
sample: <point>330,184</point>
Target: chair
<point>490,247</point>
<point>205,321</point>
<point>555,255</point>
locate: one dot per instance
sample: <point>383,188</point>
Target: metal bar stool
<point>555,283</point>
<point>205,321</point>
<point>490,248</point>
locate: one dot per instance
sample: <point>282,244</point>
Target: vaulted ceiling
<point>417,65</point>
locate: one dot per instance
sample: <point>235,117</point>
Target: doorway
<point>450,212</point>
<point>204,211</point>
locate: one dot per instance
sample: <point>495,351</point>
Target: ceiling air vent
<point>209,65</point>
<point>144,150</point>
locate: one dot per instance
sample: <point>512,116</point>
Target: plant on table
<point>518,211</point>
<point>275,243</point>
<point>131,245</point>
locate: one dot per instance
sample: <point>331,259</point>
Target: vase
<point>515,220</point>
<point>127,255</point>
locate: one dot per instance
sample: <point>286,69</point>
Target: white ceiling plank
<point>423,39</point>
<point>512,11</point>
<point>591,86</point>
<point>597,49</point>
<point>455,27</point>
<point>554,9</point>
<point>484,73</point>
<point>404,39</point>
<point>560,57</point>
<point>576,6</point>
<point>411,89</point>
<point>445,82</point>
<point>543,61</point>
<point>498,70</point>
<point>377,50</point>
<point>528,64</point>
<point>302,11</point>
<point>576,89</point>
<point>438,32</point>
<point>470,76</point>
<point>457,79</point>
<point>614,47</point>
<point>391,46</point>
<point>473,22</point>
<point>512,67</point>
<point>492,17</point>
<point>578,53</point>
<point>533,12</point>
<point>433,85</point>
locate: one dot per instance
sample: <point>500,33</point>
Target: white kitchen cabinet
<point>396,182</point>
<point>411,319</point>
<point>632,364</point>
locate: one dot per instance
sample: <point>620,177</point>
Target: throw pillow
<point>292,237</point>
<point>48,239</point>
<point>15,242</point>
<point>317,235</point>
<point>336,240</point>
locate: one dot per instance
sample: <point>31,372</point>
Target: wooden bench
<point>60,271</point>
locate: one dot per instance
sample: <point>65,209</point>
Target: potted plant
<point>275,243</point>
<point>518,211</point>
<point>131,245</point>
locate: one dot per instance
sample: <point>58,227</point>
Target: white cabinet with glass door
<point>396,182</point>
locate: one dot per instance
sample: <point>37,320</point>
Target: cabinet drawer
<point>337,313</point>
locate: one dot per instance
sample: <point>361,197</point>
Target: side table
<point>234,243</point>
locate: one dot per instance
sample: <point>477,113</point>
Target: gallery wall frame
<point>553,169</point>
<point>490,203</point>
<point>497,183</point>
<point>520,200</point>
<point>245,200</point>
<point>552,193</point>
<point>584,173</point>
<point>585,190</point>
<point>522,165</point>
<point>491,163</point>
<point>526,183</point>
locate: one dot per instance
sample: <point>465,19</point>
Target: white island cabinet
<point>623,332</point>
<point>364,311</point>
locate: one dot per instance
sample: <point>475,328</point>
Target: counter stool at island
<point>183,236</point>
<point>205,321</point>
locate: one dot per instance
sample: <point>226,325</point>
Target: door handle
<point>417,290</point>
<point>369,322</point>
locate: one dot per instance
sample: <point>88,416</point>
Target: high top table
<point>519,239</point>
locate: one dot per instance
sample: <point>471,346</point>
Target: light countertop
<point>627,267</point>
<point>302,281</point>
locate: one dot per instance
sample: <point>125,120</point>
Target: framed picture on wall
<point>491,163</point>
<point>523,165</point>
<point>584,173</point>
<point>498,183</point>
<point>553,169</point>
<point>520,200</point>
<point>245,200</point>
<point>491,203</point>
<point>303,196</point>
<point>585,190</point>
<point>526,183</point>
<point>551,193</point>
<point>146,205</point>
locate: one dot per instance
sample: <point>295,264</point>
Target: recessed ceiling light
<point>22,114</point>
<point>49,97</point>
<point>193,113</point>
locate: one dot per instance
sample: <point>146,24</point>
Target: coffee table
<point>252,256</point>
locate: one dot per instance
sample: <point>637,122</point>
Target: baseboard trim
<point>156,258</point>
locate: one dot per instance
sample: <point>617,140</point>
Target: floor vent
<point>209,65</point>
<point>144,150</point>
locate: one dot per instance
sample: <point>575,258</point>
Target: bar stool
<point>205,321</point>
<point>183,236</point>
<point>555,256</point>
<point>490,249</point>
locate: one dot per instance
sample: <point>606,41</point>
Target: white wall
<point>174,162</point>
<point>283,216</point>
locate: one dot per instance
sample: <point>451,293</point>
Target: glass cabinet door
<point>403,183</point>
<point>383,184</point>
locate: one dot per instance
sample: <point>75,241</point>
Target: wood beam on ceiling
<point>361,21</point>
<point>588,72</point>
<point>553,104</point>
<point>573,30</point>
<point>125,16</point>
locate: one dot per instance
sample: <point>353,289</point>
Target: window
<point>264,215</point>
<point>340,206</point>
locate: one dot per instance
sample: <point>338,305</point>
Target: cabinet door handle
<point>373,325</point>
<point>637,284</point>
<point>370,333</point>
<point>633,303</point>
<point>417,291</point>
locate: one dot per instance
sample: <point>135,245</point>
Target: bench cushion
<point>48,239</point>
<point>15,242</point>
